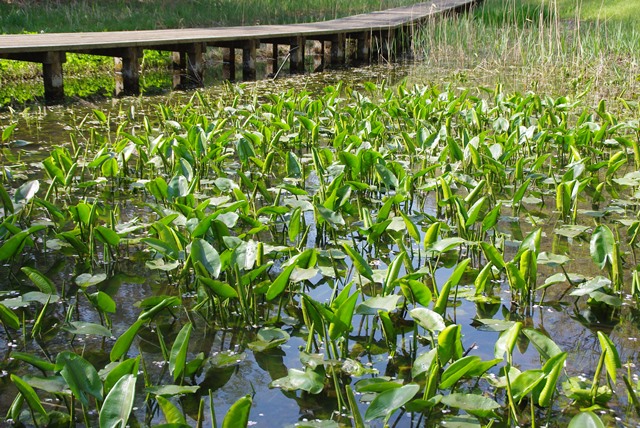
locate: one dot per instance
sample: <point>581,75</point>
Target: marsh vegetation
<point>457,248</point>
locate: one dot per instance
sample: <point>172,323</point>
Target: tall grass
<point>516,42</point>
<point>19,16</point>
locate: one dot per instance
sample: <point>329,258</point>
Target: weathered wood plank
<point>82,41</point>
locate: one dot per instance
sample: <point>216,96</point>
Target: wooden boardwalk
<point>378,33</point>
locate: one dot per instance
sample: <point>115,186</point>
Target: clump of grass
<point>535,43</point>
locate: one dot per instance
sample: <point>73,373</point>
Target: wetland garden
<point>446,241</point>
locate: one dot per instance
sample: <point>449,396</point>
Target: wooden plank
<point>82,41</point>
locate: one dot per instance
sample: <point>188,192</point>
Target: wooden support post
<point>318,58</point>
<point>52,76</point>
<point>249,60</point>
<point>296,51</point>
<point>363,50</point>
<point>179,63</point>
<point>195,65</point>
<point>128,72</point>
<point>272,65</point>
<point>338,43</point>
<point>229,64</point>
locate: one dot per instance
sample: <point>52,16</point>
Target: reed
<point>535,43</point>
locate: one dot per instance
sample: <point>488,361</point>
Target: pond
<point>318,251</point>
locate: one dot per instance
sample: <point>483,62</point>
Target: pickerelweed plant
<point>401,246</point>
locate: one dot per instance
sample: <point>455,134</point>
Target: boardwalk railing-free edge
<point>384,33</point>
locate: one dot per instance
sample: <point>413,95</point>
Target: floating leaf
<point>386,403</point>
<point>172,390</point>
<point>475,404</point>
<point>83,327</point>
<point>307,380</point>
<point>372,305</point>
<point>586,419</point>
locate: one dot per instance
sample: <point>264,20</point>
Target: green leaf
<point>43,283</point>
<point>476,404</point>
<point>493,255</point>
<point>269,338</point>
<point>171,390</point>
<point>308,380</point>
<point>416,290</point>
<point>552,368</point>
<point>428,319</point>
<point>7,204</point>
<point>586,420</point>
<point>178,356</point>
<point>118,404</point>
<point>32,399</point>
<point>86,280</point>
<point>611,357</point>
<point>238,414</point>
<point>386,403</point>
<point>444,245</point>
<point>450,343</point>
<point>44,365</point>
<point>387,177</point>
<point>80,375</point>
<point>171,413</point>
<point>9,318</point>
<point>118,370</point>
<point>123,343</point>
<point>341,322</point>
<point>359,262</point>
<point>372,305</point>
<point>83,327</point>
<point>107,236</point>
<point>334,219</point>
<point>280,283</point>
<point>221,289</point>
<point>601,246</point>
<point>507,341</point>
<point>294,168</point>
<point>456,370</point>
<point>545,346</point>
<point>443,298</point>
<point>525,383</point>
<point>13,246</point>
<point>203,252</point>
<point>26,192</point>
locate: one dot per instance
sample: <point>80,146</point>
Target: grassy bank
<point>557,46</point>
<point>18,16</point>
